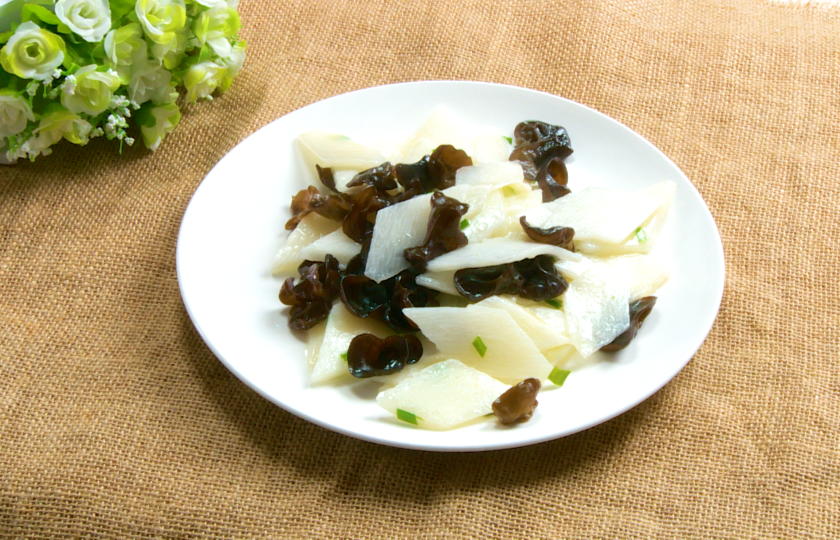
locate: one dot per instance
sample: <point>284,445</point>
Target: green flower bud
<point>202,79</point>
<point>214,26</point>
<point>124,47</point>
<point>93,91</point>
<point>161,18</point>
<point>57,123</point>
<point>32,52</point>
<point>157,123</point>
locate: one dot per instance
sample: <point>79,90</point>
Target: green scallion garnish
<point>508,139</point>
<point>641,236</point>
<point>479,346</point>
<point>558,376</point>
<point>464,224</point>
<point>344,356</point>
<point>408,417</point>
<point>555,303</point>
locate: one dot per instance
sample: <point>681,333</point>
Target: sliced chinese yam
<point>312,227</point>
<point>337,151</point>
<point>404,225</point>
<point>495,251</point>
<point>438,281</point>
<point>600,215</point>
<point>542,334</point>
<point>442,396</point>
<point>393,379</point>
<point>554,318</point>
<point>441,127</point>
<point>314,340</point>
<point>489,216</point>
<point>342,326</point>
<point>490,147</point>
<point>561,356</point>
<point>644,275</point>
<point>490,174</point>
<point>484,338</point>
<point>597,309</point>
<point>336,244</point>
<point>342,178</point>
<point>397,228</point>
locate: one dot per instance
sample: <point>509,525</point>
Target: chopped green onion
<point>344,356</point>
<point>641,236</point>
<point>479,346</point>
<point>508,139</point>
<point>555,303</point>
<point>406,416</point>
<point>558,376</point>
<point>464,224</point>
<point>508,191</point>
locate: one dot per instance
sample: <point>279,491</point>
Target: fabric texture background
<point>117,421</point>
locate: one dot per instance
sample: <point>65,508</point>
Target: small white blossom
<point>129,141</point>
<point>69,85</point>
<point>32,88</point>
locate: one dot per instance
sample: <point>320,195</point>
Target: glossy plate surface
<point>233,227</point>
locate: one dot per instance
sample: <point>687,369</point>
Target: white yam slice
<point>341,328</point>
<point>489,217</point>
<point>491,174</point>
<point>554,318</point>
<point>442,127</point>
<point>474,196</point>
<point>342,178</point>
<point>510,355</point>
<point>542,334</point>
<point>495,251</point>
<point>397,227</point>
<point>443,395</point>
<point>523,201</point>
<point>643,237</point>
<point>644,275</point>
<point>491,147</point>
<point>393,379</point>
<point>438,281</point>
<point>337,151</point>
<point>561,356</point>
<point>336,244</point>
<point>311,228</point>
<point>597,310</point>
<point>314,340</point>
<point>597,214</point>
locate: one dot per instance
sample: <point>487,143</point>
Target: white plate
<point>233,227</point>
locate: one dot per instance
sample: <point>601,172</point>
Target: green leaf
<point>558,376</point>
<point>479,345</point>
<point>508,139</point>
<point>555,303</point>
<point>119,9</point>
<point>641,235</point>
<point>205,54</point>
<point>63,28</point>
<point>406,416</point>
<point>6,36</point>
<point>144,116</point>
<point>32,11</point>
<point>464,224</point>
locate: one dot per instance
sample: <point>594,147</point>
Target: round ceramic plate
<point>233,227</point>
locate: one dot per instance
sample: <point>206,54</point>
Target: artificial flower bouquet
<point>79,69</point>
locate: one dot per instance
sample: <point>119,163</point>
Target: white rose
<point>149,82</point>
<point>233,63</point>
<point>14,113</point>
<point>32,52</point>
<point>90,19</point>
<point>202,79</point>
<point>213,3</point>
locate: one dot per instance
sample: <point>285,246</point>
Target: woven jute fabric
<point>116,421</point>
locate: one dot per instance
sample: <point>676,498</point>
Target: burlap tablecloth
<point>116,421</point>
